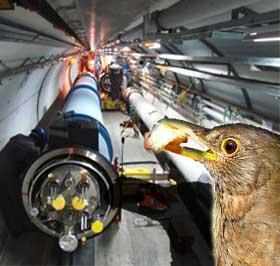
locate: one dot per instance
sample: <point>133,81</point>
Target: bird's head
<point>239,157</point>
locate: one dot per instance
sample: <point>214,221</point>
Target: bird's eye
<point>229,146</point>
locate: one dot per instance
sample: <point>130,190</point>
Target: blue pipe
<point>85,102</point>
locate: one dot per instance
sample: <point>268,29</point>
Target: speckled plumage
<point>246,214</point>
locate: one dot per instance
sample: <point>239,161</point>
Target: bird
<point>244,162</point>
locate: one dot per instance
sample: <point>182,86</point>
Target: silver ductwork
<point>191,11</point>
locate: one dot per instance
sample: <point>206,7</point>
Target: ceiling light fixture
<point>156,45</point>
<point>268,39</point>
<point>152,45</point>
<point>263,36</point>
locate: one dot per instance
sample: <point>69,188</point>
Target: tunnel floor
<point>125,243</point>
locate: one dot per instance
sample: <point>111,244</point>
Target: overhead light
<point>152,45</point>
<point>126,49</point>
<point>263,36</point>
<point>268,28</point>
<point>177,57</point>
<point>155,46</point>
<point>137,55</point>
<point>159,61</point>
<point>271,39</point>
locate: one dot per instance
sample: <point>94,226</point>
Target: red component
<point>118,217</point>
<point>147,144</point>
<point>116,165</point>
<point>153,202</point>
<point>127,124</point>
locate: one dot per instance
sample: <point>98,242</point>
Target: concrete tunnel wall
<point>25,97</point>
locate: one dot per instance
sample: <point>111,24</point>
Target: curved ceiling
<point>104,19</point>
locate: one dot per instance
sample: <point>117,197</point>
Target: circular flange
<point>90,160</point>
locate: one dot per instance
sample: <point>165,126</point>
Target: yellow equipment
<point>58,203</point>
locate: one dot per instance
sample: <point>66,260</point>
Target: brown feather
<point>246,214</point>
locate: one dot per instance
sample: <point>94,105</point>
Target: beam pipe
<point>85,103</point>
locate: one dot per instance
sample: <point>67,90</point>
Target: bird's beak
<point>189,131</point>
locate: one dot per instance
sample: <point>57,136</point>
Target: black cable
<point>122,153</point>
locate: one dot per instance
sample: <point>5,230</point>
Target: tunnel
<point>85,84</point>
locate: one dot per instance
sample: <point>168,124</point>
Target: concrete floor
<point>128,244</point>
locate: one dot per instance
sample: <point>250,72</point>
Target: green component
<point>133,113</point>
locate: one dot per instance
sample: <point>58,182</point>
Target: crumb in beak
<point>162,135</point>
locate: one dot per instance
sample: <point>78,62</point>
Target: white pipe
<point>216,115</point>
<point>150,115</point>
<point>213,105</point>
